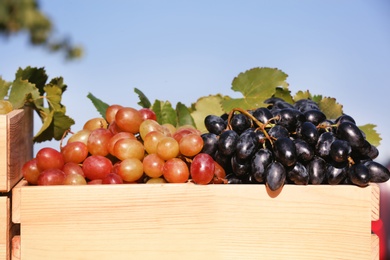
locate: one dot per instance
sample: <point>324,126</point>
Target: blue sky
<point>183,50</point>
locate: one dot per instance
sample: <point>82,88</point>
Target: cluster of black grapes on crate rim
<point>287,143</point>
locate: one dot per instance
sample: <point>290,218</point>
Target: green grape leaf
<point>284,94</point>
<point>330,107</point>
<point>59,81</point>
<point>371,134</point>
<point>204,106</point>
<point>36,76</point>
<point>183,115</point>
<point>53,96</point>
<point>316,98</point>
<point>55,124</point>
<point>302,95</point>
<point>21,89</point>
<point>256,85</point>
<point>143,100</point>
<point>164,112</point>
<point>4,88</point>
<point>100,106</point>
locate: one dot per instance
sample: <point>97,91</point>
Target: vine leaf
<point>4,88</point>
<point>54,125</point>
<point>164,112</point>
<point>372,135</point>
<point>35,76</point>
<point>143,100</point>
<point>330,107</point>
<point>204,106</point>
<point>20,90</point>
<point>256,85</point>
<point>100,106</point>
<point>183,115</point>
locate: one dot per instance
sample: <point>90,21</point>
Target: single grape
<point>298,174</point>
<point>191,145</point>
<point>285,151</point>
<point>227,142</point>
<point>290,118</point>
<point>98,141</point>
<point>80,136</point>
<point>95,123</point>
<point>240,168</point>
<point>156,181</point>
<point>128,119</point>
<point>304,105</point>
<point>30,171</point>
<point>259,162</point>
<point>112,178</point>
<point>345,118</point>
<point>116,137</point>
<point>202,168</point>
<point>359,174</point>
<point>74,152</point>
<point>314,116</point>
<point>72,168</point>
<point>239,123</point>
<point>308,132</point>
<point>168,148</point>
<point>336,172</point>
<point>148,113</point>
<point>378,172</point>
<point>210,143</point>
<point>111,112</point>
<point>153,165</point>
<point>96,167</point>
<point>305,152</point>
<point>74,179</point>
<point>49,158</point>
<point>351,133</point>
<point>278,131</point>
<point>275,175</point>
<point>262,114</point>
<point>324,142</point>
<point>247,144</point>
<point>340,150</point>
<point>176,171</point>
<point>149,125</point>
<point>214,124</point>
<point>51,176</point>
<point>129,148</point>
<point>317,170</point>
<point>130,169</point>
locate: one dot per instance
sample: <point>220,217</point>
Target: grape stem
<point>260,125</point>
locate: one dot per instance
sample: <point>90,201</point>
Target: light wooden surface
<point>16,146</point>
<point>4,228</point>
<point>187,221</point>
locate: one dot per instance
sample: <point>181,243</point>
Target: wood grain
<point>4,227</point>
<point>16,145</point>
<point>187,221</point>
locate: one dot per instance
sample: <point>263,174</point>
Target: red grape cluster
<point>128,146</point>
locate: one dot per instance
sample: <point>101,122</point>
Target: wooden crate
<point>5,227</point>
<point>188,221</point>
<point>16,145</point>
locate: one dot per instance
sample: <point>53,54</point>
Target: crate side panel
<point>193,221</point>
<point>4,227</point>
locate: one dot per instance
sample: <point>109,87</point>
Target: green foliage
<point>256,85</point>
<point>372,135</point>
<point>25,16</point>
<point>29,88</point>
<point>99,105</point>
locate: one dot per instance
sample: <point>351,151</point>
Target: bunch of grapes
<point>127,146</point>
<point>291,144</point>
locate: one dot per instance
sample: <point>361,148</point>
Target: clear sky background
<point>183,50</point>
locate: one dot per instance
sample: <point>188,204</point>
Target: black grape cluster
<point>291,144</point>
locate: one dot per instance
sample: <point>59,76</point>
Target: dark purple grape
<point>298,174</point>
<point>345,118</point>
<point>308,132</point>
<point>247,144</point>
<point>278,131</point>
<point>340,150</point>
<point>214,124</point>
<point>224,161</point>
<point>304,105</point>
<point>210,143</point>
<point>285,151</point>
<point>336,172</point>
<point>304,151</point>
<point>324,142</point>
<point>239,123</point>
<point>359,174</point>
<point>262,114</point>
<point>367,150</point>
<point>378,172</point>
<point>260,161</point>
<point>314,116</point>
<point>290,118</point>
<point>240,168</point>
<point>227,142</point>
<point>275,175</point>
<point>351,133</point>
<point>233,179</point>
<point>317,170</point>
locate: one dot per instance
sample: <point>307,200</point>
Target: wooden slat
<point>375,247</point>
<point>16,145</point>
<point>4,227</point>
<point>186,221</point>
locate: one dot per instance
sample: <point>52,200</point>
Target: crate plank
<point>4,227</point>
<point>187,221</point>
<point>16,145</point>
